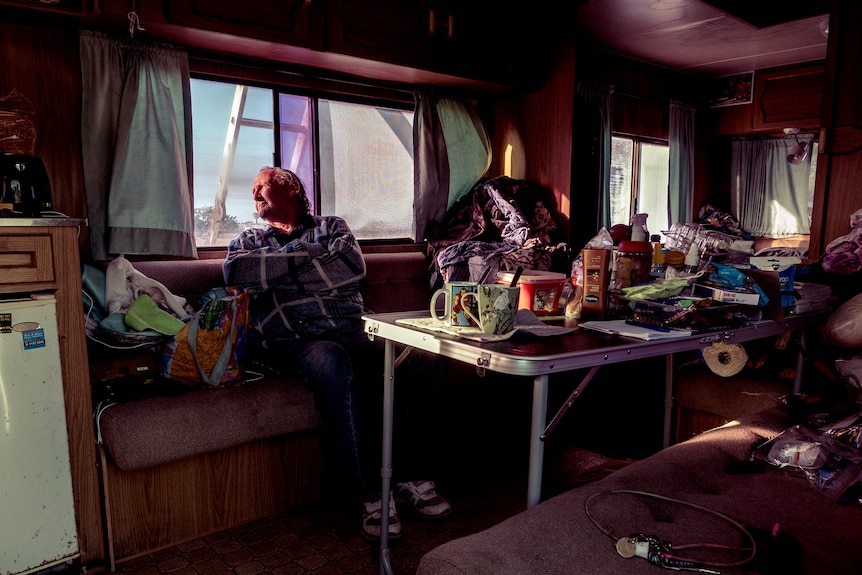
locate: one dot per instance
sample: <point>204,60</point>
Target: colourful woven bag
<point>210,349</point>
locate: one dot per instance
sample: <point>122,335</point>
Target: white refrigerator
<point>37,512</point>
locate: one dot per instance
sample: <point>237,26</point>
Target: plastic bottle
<point>658,265</point>
<point>639,229</point>
<point>575,298</point>
<point>692,260</point>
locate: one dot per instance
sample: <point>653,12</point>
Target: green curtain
<point>769,195</point>
<point>452,152</point>
<point>593,151</point>
<point>680,180</point>
<point>136,147</point>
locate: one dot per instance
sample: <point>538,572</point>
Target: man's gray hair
<point>287,178</point>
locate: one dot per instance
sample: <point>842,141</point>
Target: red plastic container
<point>540,290</point>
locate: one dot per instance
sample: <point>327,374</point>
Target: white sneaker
<point>423,496</point>
<point>372,520</point>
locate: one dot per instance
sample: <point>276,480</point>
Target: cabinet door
<point>838,190</point>
<point>485,41</point>
<point>393,31</point>
<point>295,22</point>
<point>790,98</point>
<point>67,7</point>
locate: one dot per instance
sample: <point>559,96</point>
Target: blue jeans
<point>345,372</point>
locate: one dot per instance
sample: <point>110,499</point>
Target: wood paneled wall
<point>532,133</point>
<point>42,63</point>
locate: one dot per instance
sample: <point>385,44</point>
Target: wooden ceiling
<point>708,37</point>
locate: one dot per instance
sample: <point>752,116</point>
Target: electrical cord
<point>88,319</point>
<point>664,553</point>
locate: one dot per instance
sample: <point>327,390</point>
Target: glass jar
<point>640,254</point>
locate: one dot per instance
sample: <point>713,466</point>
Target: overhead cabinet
<point>61,7</point>
<point>789,98</point>
<point>394,31</point>
<point>295,22</point>
<point>469,40</point>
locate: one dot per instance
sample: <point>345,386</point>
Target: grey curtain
<point>680,181</point>
<point>136,147</point>
<point>452,152</point>
<point>596,108</point>
<point>769,195</point>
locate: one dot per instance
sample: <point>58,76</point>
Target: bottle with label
<point>595,280</point>
<point>692,260</point>
<point>575,297</point>
<point>658,265</point>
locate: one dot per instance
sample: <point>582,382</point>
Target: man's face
<point>276,203</point>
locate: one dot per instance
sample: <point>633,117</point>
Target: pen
<point>647,325</point>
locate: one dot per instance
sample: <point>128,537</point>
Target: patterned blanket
<point>503,223</point>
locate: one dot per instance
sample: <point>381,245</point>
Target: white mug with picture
<point>497,306</point>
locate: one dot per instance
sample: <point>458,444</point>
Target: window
<point>355,159</point>
<point>639,173</point>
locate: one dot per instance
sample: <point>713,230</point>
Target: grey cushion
<point>156,430</point>
<point>557,537</point>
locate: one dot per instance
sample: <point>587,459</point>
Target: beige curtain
<point>769,195</point>
<point>137,153</point>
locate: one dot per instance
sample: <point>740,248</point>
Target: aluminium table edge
<point>498,356</point>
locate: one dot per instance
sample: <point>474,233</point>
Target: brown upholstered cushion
<point>189,278</point>
<point>557,537</point>
<point>156,430</point>
<point>697,388</point>
<point>396,282</point>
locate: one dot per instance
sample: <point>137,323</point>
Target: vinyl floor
<point>323,538</point>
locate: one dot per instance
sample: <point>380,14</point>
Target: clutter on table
<point>699,279</point>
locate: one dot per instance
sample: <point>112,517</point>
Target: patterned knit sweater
<point>303,284</point>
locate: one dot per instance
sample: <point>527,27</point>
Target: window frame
<point>313,87</point>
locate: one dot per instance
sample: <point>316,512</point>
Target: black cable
<point>752,549</point>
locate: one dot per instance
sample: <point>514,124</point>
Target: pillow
<point>844,327</point>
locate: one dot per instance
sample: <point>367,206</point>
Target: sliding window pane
<point>297,140</point>
<point>232,139</point>
<point>366,168</point>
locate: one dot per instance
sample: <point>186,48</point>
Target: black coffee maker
<point>24,188</point>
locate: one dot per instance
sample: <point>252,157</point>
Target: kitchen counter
<point>35,222</point>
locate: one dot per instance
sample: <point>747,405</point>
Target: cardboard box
<point>786,268</point>
<point>726,296</point>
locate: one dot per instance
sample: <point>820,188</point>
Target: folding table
<point>538,357</point>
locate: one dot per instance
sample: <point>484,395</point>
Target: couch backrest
<point>396,281</point>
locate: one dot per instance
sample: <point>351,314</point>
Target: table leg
<point>800,364</point>
<point>668,399</point>
<point>386,460</point>
<point>537,446</point>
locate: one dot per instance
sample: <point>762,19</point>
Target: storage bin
<point>540,290</point>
